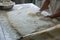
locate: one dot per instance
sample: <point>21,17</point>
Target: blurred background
<point>36,2</point>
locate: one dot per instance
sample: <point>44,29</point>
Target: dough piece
<point>32,14</point>
<point>7,3</point>
<point>39,14</point>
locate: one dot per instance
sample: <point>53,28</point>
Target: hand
<point>54,15</point>
<point>44,5</point>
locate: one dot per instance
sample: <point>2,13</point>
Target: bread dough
<point>7,3</point>
<point>32,14</point>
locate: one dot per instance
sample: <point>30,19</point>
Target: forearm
<point>56,14</point>
<point>45,5</point>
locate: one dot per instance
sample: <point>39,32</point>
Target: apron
<point>54,5</point>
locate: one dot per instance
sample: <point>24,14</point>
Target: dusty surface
<point>26,21</point>
<point>52,33</point>
<point>7,32</point>
<point>21,20</point>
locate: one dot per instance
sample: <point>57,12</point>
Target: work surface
<point>21,20</point>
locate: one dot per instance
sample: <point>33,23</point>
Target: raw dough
<point>7,3</point>
<point>32,14</point>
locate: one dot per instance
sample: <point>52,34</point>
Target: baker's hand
<point>55,15</point>
<point>44,5</point>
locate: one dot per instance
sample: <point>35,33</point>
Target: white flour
<point>8,32</point>
<point>27,23</point>
<point>24,20</point>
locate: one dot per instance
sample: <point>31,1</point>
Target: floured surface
<point>7,32</point>
<point>52,33</point>
<point>22,19</point>
<point>25,20</point>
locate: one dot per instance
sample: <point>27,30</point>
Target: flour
<point>27,22</point>
<point>9,31</point>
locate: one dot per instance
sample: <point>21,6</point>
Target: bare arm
<point>45,5</point>
<point>55,14</point>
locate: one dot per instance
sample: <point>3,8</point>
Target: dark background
<point>22,1</point>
